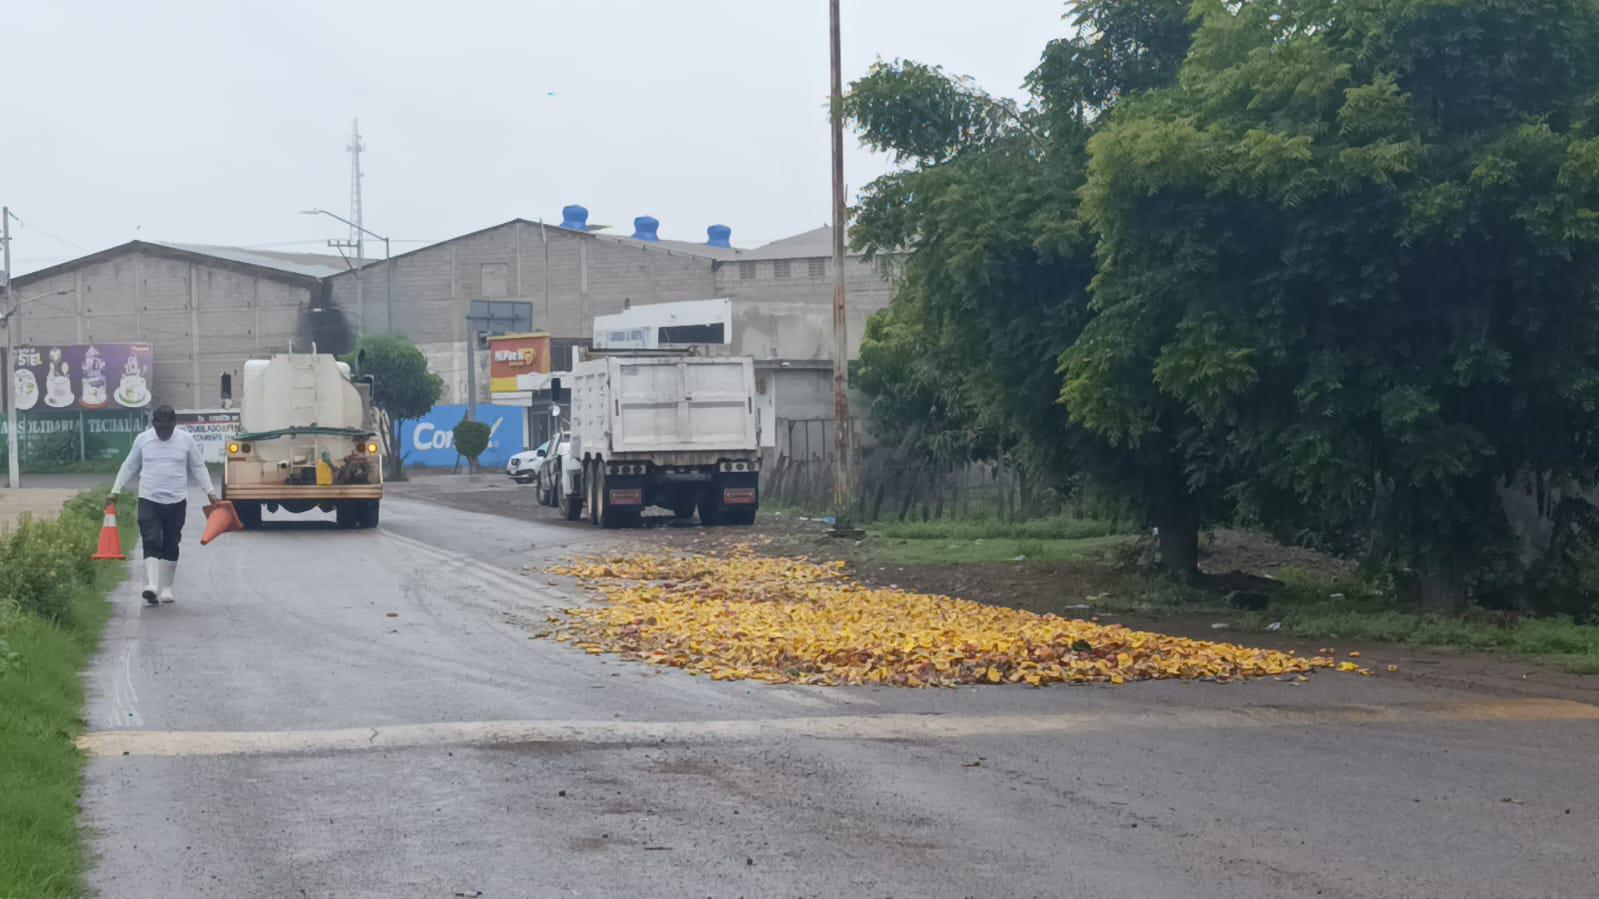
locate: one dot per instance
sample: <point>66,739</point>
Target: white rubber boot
<point>169,570</point>
<point>152,580</point>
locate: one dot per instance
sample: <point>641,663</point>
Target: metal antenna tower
<point>355,149</point>
<point>357,237</point>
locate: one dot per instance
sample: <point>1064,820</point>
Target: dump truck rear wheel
<point>249,513</point>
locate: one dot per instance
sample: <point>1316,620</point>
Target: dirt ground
<point>1060,588</point>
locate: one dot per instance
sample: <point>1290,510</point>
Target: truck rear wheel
<point>606,514</point>
<point>591,485</point>
<point>571,506</point>
<point>710,510</point>
<point>348,514</point>
<point>369,513</point>
<point>249,513</point>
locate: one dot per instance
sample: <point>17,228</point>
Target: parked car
<point>523,467</point>
<point>549,472</point>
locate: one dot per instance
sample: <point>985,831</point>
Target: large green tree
<point>403,388</point>
<point>996,264</point>
<point>1354,251</point>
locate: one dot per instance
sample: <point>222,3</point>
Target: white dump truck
<point>306,441</point>
<point>670,430</point>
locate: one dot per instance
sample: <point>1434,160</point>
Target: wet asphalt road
<point>353,714</point>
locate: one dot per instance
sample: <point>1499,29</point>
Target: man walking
<point>164,458</point>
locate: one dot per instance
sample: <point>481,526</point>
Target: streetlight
<point>388,271</point>
<point>13,463</point>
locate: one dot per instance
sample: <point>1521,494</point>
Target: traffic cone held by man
<point>220,517</point>
<point>110,537</point>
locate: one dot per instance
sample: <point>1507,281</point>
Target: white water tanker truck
<point>306,441</point>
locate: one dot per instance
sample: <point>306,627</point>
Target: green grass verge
<point>955,542</point>
<point>955,552</point>
<point>973,530</point>
<point>41,716</point>
<point>1349,610</point>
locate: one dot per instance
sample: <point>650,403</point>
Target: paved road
<point>352,714</point>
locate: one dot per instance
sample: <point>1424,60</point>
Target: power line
<point>44,233</point>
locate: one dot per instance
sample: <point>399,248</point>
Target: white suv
<point>523,467</point>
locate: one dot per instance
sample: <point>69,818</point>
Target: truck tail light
<point>372,448</point>
<point>234,448</point>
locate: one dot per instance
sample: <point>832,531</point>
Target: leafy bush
<point>471,439</point>
<point>41,561</point>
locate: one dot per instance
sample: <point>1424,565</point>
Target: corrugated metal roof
<point>315,265</point>
<point>805,245</point>
<point>678,246</point>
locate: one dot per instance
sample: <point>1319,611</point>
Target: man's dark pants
<point>161,528</point>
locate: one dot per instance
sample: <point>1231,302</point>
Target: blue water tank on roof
<point>575,218</point>
<point>645,228</point>
<point>720,236</point>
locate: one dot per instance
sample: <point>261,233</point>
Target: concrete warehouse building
<point>782,296</point>
<point>207,309</point>
<point>204,309</point>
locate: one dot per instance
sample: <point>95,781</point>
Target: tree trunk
<point>395,460</point>
<point>1443,587</point>
<point>1179,541</point>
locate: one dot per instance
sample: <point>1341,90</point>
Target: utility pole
<point>13,464</point>
<point>388,278</point>
<point>842,462</point>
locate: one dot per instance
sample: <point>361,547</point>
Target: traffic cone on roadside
<point>219,519</point>
<point>110,538</point>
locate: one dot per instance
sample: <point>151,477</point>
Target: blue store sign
<point>429,442</point>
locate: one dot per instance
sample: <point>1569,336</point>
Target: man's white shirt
<point>164,467</point>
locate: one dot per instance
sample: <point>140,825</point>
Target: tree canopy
<point>402,384</point>
<point>1330,266</point>
<point>1358,244</point>
<point>403,388</point>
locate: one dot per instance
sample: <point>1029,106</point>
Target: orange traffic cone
<point>110,538</point>
<point>219,519</point>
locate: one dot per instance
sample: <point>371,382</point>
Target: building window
<point>780,268</point>
<point>818,268</point>
<point>746,271</point>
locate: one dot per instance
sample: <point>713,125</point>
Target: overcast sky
<point>203,123</point>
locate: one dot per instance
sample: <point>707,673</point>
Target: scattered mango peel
<point>792,620</point>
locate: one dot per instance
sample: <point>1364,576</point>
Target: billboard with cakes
<point>83,376</point>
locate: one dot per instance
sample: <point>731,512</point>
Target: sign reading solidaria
<point>83,376</point>
<point>517,354</point>
<point>212,429</point>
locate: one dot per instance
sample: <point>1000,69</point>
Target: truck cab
<point>306,441</point>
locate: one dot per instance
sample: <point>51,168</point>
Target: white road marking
<point>846,727</point>
<point>124,696</point>
<point>484,573</point>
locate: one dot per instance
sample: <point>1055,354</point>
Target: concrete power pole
<point>842,467</point>
<point>13,443</point>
